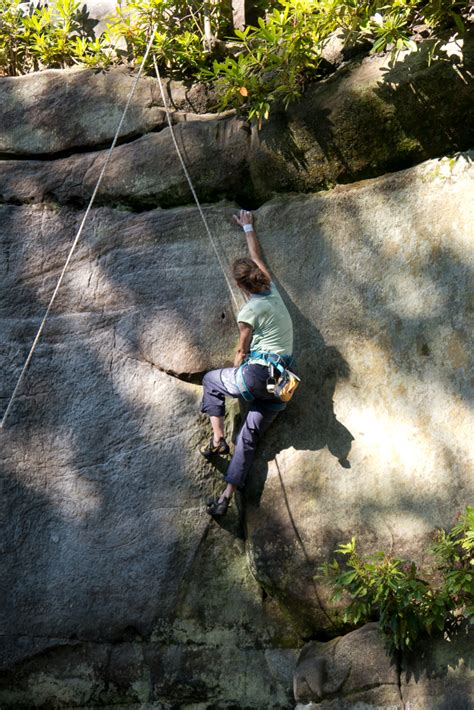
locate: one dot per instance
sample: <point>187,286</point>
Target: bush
<point>274,60</point>
<point>390,589</point>
<point>269,62</point>
<point>36,37</point>
<point>277,57</point>
<point>185,33</point>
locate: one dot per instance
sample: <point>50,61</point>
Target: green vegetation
<point>391,590</point>
<point>252,69</point>
<point>33,38</point>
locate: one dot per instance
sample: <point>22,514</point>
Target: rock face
<point>378,428</point>
<point>116,588</point>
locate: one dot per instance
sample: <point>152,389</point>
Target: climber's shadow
<point>309,422</point>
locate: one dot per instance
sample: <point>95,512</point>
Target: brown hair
<point>249,276</point>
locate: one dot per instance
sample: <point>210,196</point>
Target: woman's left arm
<point>243,348</point>
<point>246,219</point>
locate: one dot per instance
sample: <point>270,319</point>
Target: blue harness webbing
<point>280,362</point>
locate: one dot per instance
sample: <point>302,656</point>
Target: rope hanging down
<point>191,186</point>
<point>78,235</point>
<point>89,207</point>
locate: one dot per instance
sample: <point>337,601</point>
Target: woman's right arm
<point>245,338</point>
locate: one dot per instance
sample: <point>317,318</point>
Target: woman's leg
<point>217,385</point>
<point>217,424</point>
<point>258,419</point>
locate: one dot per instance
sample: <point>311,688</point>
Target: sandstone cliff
<point>117,588</point>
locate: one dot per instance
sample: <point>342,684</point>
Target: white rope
<point>191,187</point>
<point>78,235</point>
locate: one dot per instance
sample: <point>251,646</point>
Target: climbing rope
<point>78,235</point>
<point>191,186</point>
<point>301,543</point>
<point>91,202</point>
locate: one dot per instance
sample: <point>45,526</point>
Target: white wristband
<point>248,227</point>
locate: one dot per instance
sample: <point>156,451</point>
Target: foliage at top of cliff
<point>268,61</point>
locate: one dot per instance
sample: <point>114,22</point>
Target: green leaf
<point>458,22</point>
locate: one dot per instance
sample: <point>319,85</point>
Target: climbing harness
<point>89,207</point>
<point>242,385</point>
<point>281,381</point>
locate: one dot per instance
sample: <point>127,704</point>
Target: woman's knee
<point>206,380</point>
<point>250,434</point>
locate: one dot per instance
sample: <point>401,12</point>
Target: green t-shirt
<point>271,322</point>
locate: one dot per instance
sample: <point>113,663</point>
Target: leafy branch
<point>253,69</point>
<point>391,589</point>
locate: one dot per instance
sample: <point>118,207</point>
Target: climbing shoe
<point>210,450</point>
<point>217,508</point>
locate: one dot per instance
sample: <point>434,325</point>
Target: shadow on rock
<point>309,422</point>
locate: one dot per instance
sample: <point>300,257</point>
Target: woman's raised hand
<point>243,217</point>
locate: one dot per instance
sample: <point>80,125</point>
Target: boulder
<point>352,668</point>
<point>56,111</point>
<point>368,118</point>
<point>141,174</point>
<point>356,670</point>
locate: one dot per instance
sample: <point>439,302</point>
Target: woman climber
<point>266,339</point>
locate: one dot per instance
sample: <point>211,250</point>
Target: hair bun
<point>249,276</point>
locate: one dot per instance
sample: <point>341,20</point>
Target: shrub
<point>273,62</point>
<point>255,68</point>
<point>185,33</point>
<point>390,589</point>
<point>277,57</point>
<point>36,37</point>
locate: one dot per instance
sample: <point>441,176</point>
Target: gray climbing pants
<point>262,410</point>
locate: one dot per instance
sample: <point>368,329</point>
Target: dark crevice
<point>141,205</point>
<point>129,634</point>
<point>82,149</point>
<point>79,149</point>
<point>14,201</point>
<point>194,378</point>
<point>322,636</point>
<point>125,139</point>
